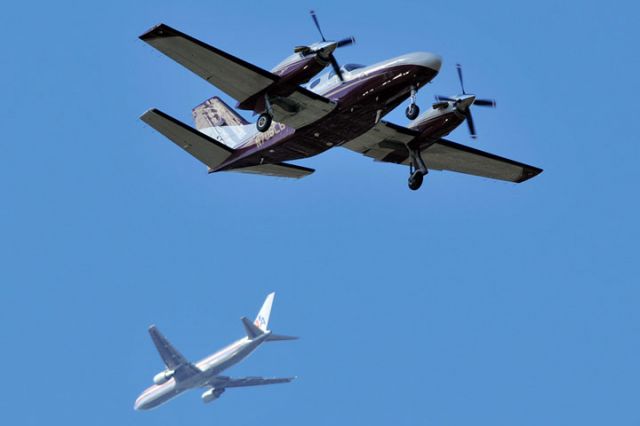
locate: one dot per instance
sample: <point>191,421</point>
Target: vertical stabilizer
<point>262,320</point>
<point>219,121</point>
<point>215,113</point>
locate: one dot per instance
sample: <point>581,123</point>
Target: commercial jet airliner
<point>181,375</point>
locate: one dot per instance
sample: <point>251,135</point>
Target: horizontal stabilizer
<point>278,337</point>
<point>206,149</point>
<point>252,330</point>
<point>278,170</point>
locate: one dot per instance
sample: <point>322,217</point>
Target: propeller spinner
<point>463,103</point>
<point>326,48</point>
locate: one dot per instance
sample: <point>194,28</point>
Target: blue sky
<point>469,302</point>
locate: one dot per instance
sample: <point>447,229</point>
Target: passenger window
<point>314,83</point>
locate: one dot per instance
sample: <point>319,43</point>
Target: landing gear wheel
<point>264,122</point>
<point>412,111</point>
<point>415,180</point>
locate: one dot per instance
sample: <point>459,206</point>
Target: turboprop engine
<point>163,377</point>
<point>306,62</point>
<point>309,60</point>
<point>211,395</point>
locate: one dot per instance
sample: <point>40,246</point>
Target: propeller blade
<point>485,102</point>
<point>472,127</point>
<point>444,99</point>
<point>346,41</point>
<point>459,68</point>
<point>315,20</point>
<point>336,67</point>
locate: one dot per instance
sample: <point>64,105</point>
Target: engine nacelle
<point>163,377</point>
<point>212,394</point>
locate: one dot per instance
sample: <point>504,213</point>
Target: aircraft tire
<point>415,180</point>
<point>412,111</point>
<point>264,122</point>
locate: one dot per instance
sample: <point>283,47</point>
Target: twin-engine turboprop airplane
<point>181,375</point>
<point>341,108</point>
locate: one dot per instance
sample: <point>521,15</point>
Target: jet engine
<point>212,394</point>
<point>163,377</point>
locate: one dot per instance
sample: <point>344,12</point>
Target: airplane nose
<point>426,59</point>
<point>138,404</point>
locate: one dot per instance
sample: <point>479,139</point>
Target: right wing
<point>387,142</point>
<point>227,382</point>
<point>173,359</point>
<point>239,79</point>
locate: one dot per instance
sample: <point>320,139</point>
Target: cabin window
<point>314,83</point>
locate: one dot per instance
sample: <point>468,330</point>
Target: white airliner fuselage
<point>180,375</point>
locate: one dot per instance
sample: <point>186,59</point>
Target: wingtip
<point>159,30</point>
<point>529,173</point>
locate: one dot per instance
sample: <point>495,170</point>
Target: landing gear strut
<point>265,119</point>
<point>418,170</point>
<point>412,110</point>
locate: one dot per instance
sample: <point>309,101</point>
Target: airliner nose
<point>138,404</point>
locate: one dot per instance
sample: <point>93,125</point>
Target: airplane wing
<point>228,382</point>
<point>173,359</point>
<point>387,142</point>
<point>236,77</point>
<point>278,170</point>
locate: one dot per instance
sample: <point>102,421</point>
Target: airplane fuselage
<point>210,366</point>
<point>366,95</point>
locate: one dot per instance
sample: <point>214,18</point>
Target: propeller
<point>307,50</point>
<point>464,101</point>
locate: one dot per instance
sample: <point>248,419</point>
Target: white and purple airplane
<point>181,375</point>
<point>300,115</point>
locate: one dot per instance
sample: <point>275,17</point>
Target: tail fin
<point>262,320</point>
<point>260,325</point>
<point>252,330</point>
<point>218,120</point>
<point>215,113</point>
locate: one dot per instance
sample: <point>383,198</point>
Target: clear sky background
<point>470,302</point>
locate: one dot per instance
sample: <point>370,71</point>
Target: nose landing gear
<point>418,170</point>
<point>412,110</point>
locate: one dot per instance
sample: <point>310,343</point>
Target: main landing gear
<point>418,170</point>
<point>264,122</point>
<point>412,110</point>
<point>265,119</point>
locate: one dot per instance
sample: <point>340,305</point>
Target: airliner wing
<point>237,78</point>
<point>253,381</point>
<point>173,359</point>
<point>387,142</point>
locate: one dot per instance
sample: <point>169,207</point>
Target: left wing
<point>387,142</point>
<point>237,78</point>
<point>173,359</point>
<point>228,382</point>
